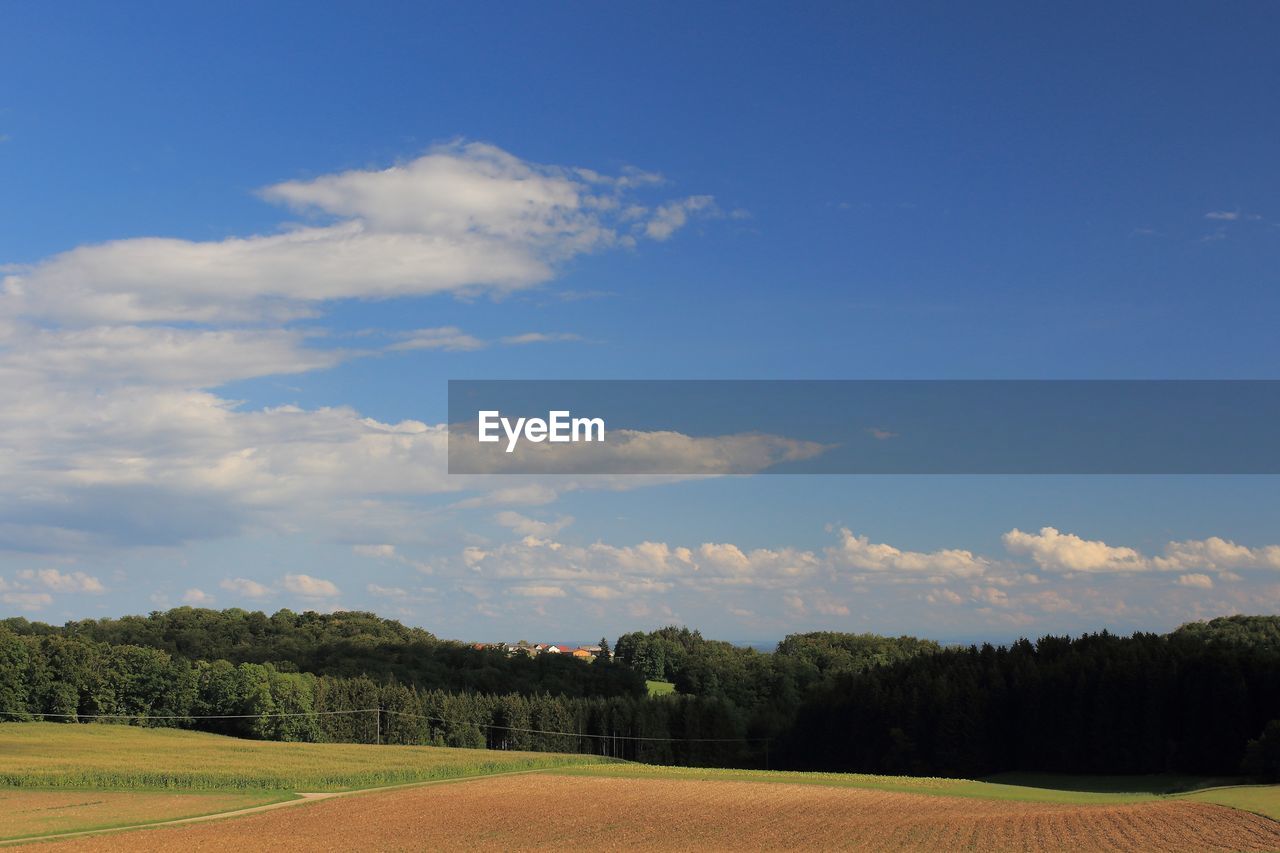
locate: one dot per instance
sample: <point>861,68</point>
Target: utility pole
<point>378,726</point>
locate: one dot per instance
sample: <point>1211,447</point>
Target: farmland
<point>656,813</point>
<point>63,778</point>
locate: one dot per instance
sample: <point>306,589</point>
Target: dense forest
<point>345,644</point>
<point>1197,700</point>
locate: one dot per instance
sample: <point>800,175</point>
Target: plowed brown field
<point>552,812</point>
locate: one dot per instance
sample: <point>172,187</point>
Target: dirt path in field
<point>545,811</point>
<point>302,798</point>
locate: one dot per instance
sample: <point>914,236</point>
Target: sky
<point>244,247</point>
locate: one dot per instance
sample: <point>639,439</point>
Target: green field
<point>58,755</point>
<point>660,688</point>
<point>904,784</point>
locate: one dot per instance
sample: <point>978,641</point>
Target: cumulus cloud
<point>60,582</point>
<point>1216,554</point>
<point>460,219</point>
<point>859,552</point>
<point>309,587</point>
<point>110,353</point>
<point>27,600</point>
<point>245,587</point>
<point>389,552</point>
<point>197,598</point>
<point>1199,581</point>
<point>606,572</point>
<point>526,526</point>
<point>1055,551</point>
<point>827,607</point>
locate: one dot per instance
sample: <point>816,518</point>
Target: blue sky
<point>244,413</point>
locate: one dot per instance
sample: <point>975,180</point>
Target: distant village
<point>524,647</point>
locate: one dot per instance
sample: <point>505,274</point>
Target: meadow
<point>1017,787</point>
<point>115,757</point>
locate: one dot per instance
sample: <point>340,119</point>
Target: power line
<point>186,716</point>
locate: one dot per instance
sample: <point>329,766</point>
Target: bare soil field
<point>547,811</point>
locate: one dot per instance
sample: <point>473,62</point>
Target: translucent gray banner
<point>693,427</point>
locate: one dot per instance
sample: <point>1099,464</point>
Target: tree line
<point>1197,700</point>
<point>343,644</point>
<point>77,679</point>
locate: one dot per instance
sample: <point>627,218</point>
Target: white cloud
<point>309,587</point>
<point>60,582</point>
<point>389,552</point>
<point>526,526</point>
<point>537,591</point>
<point>826,607</point>
<point>1223,215</point>
<point>540,338</point>
<point>1066,552</point>
<point>109,352</point>
<point>1052,601</point>
<point>383,552</point>
<point>990,595</point>
<point>386,591</point>
<point>1216,554</point>
<point>604,572</point>
<point>27,600</point>
<point>944,596</point>
<point>671,217</point>
<point>197,597</point>
<point>461,218</point>
<point>859,552</point>
<point>1199,581</point>
<point>245,587</point>
<point>157,356</point>
<point>447,338</point>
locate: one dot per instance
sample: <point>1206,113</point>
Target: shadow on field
<point>1155,783</point>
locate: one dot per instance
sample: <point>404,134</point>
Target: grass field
<point>901,784</point>
<point>1021,787</point>
<point>57,755</point>
<point>660,688</point>
<point>1259,799</point>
